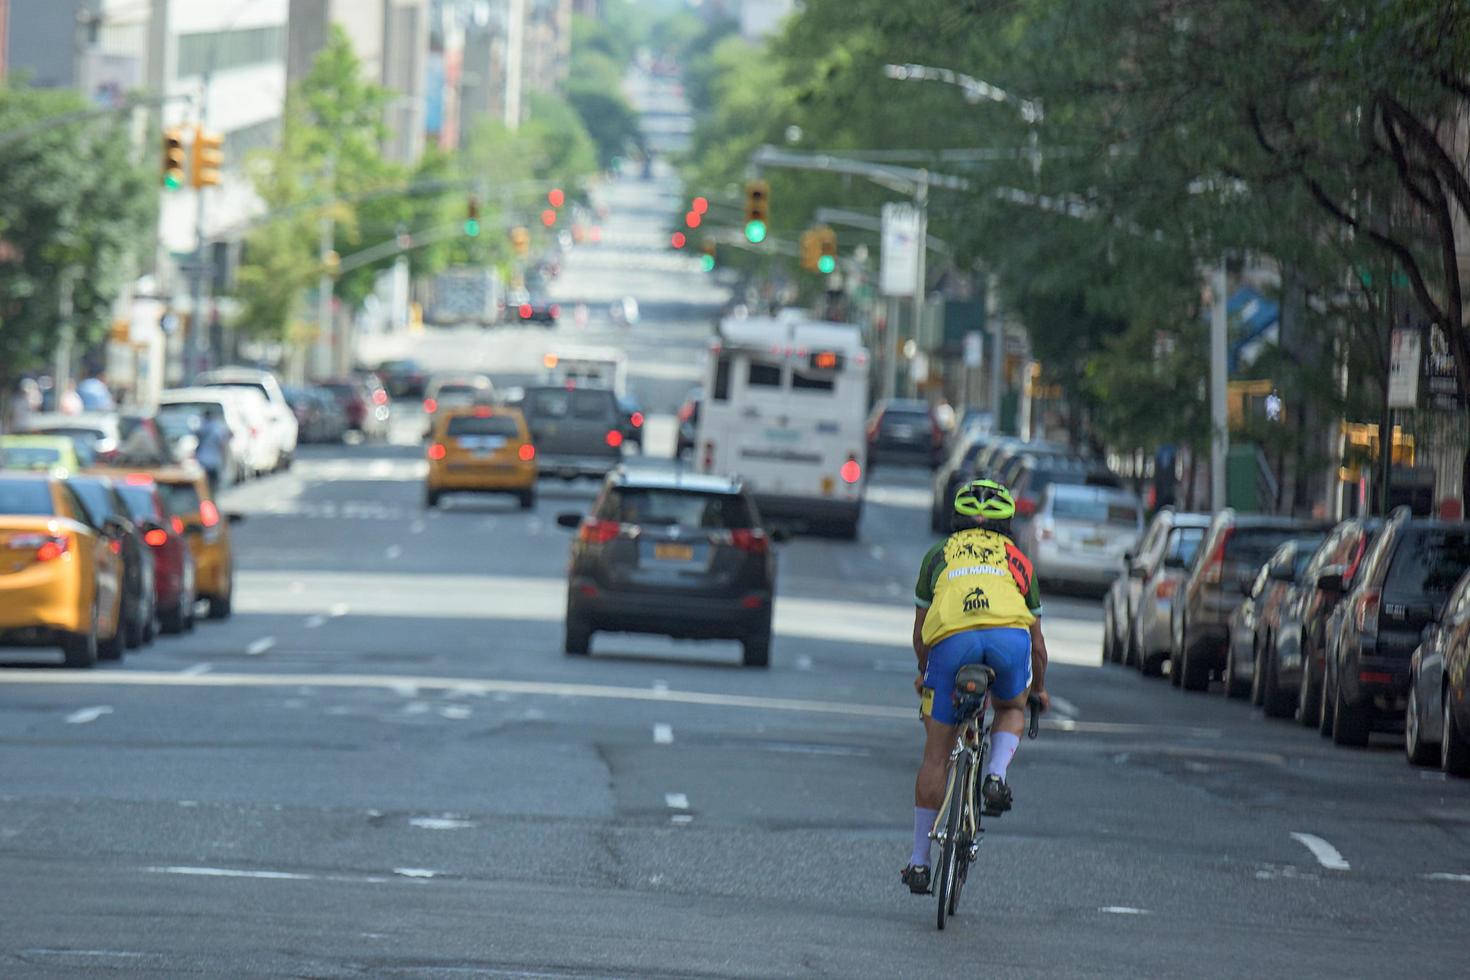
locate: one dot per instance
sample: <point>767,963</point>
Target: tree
<point>76,205</point>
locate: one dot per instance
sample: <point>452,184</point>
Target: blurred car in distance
<point>138,610</point>
<point>403,377</point>
<point>42,453</point>
<point>1260,614</point>
<point>186,493</point>
<point>173,563</point>
<point>481,449</point>
<point>904,430</point>
<point>576,431</point>
<point>278,413</point>
<point>1080,534</point>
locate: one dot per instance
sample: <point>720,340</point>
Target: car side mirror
<point>569,520</point>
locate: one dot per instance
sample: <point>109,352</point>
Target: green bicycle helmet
<point>986,499</point>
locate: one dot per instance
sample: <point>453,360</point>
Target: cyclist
<point>977,603</point>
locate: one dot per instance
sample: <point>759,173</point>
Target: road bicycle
<point>957,827</point>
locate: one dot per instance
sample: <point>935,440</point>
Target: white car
<point>279,413</point>
<point>180,416</point>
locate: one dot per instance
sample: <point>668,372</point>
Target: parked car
<point>1437,711</point>
<point>1079,534</point>
<point>1234,550</point>
<point>96,434</point>
<point>1260,613</point>
<point>43,453</point>
<point>181,415</point>
<point>1288,670</point>
<point>1406,577</point>
<point>959,467</point>
<point>139,609</point>
<point>1149,645</point>
<point>185,492</point>
<point>279,417</point>
<point>673,553</point>
<point>633,419</point>
<point>1120,604</point>
<point>62,582</point>
<point>576,431</point>
<point>173,565</point>
<point>403,377</point>
<point>536,309</point>
<point>453,391</point>
<point>904,430</point>
<point>364,401</point>
<point>480,449</point>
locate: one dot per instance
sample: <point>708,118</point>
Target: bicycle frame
<point>973,739</point>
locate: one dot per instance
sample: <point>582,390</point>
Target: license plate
<point>673,552</point>
<point>1094,542</point>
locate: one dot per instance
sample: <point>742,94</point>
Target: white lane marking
<point>196,669</point>
<point>1063,707</point>
<point>661,687</point>
<point>440,823</point>
<point>455,712</point>
<point>87,715</point>
<point>339,610</point>
<point>1123,910</point>
<point>260,646</point>
<point>381,467</point>
<point>1327,855</point>
<point>682,818</point>
<point>313,622</point>
<point>803,662</point>
<point>406,690</point>
<point>414,872</point>
<point>199,872</point>
<point>393,551</point>
<point>1445,876</point>
<point>417,527</point>
<point>663,734</point>
<point>298,587</point>
<point>676,801</point>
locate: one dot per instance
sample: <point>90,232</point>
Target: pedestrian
<point>95,395</point>
<point>213,449</point>
<point>69,402</point>
<point>25,401</point>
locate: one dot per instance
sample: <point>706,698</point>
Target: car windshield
<point>1098,510</point>
<point>459,394</point>
<point>96,497</point>
<point>558,403</point>
<point>1254,546</point>
<point>180,498</point>
<point>1183,543</point>
<point>493,425</point>
<point>28,498</point>
<point>141,505</point>
<point>1428,562</point>
<point>251,385</point>
<point>637,505</point>
<point>31,457</point>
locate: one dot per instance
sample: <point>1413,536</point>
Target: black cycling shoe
<point>916,876</point>
<point>996,795</point>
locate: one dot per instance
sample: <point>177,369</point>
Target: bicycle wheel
<point>962,844</point>
<point>949,854</point>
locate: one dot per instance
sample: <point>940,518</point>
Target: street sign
<point>1441,380</point>
<point>1403,369</point>
<point>899,259</point>
<point>974,348</point>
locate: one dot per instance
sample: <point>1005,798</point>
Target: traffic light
<point>699,205</point>
<point>707,260</point>
<point>811,250</point>
<point>555,197</point>
<point>548,217</point>
<point>827,250</point>
<point>173,158</point>
<point>677,239</point>
<point>209,156</point>
<point>520,240</point>
<point>472,217</point>
<point>757,210</point>
<point>692,219</point>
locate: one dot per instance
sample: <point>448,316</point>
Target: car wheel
<point>1324,707</point>
<point>1194,673</point>
<point>578,638</point>
<point>173,620</point>
<point>1130,649</point>
<point>1308,695</point>
<point>1415,748</point>
<point>1454,749</point>
<point>1350,722</point>
<point>527,499</point>
<point>1276,702</point>
<point>431,499</point>
<point>1176,653</point>
<point>112,647</point>
<point>1234,688</point>
<point>220,607</point>
<point>757,649</point>
<point>1109,648</point>
<point>80,649</point>
<point>137,632</point>
<point>1258,675</point>
<point>150,632</point>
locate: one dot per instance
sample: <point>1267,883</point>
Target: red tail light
<point>208,513</point>
<point>47,547</point>
<point>614,438</point>
<point>1025,507</point>
<point>1374,677</point>
<point>380,397</point>
<point>436,451</point>
<point>637,420</point>
<point>115,546</point>
<point>157,537</point>
<point>482,412</point>
<point>178,524</point>
<point>752,540</point>
<point>752,602</point>
<point>598,532</point>
<point>1166,588</point>
<point>527,453</point>
<point>430,406</point>
<point>555,310</point>
<point>851,471</point>
<point>1365,611</point>
<point>525,311</point>
<point>1215,567</point>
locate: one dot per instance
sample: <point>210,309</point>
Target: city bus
<point>784,409</point>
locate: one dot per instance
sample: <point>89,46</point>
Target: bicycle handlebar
<point>1034,704</point>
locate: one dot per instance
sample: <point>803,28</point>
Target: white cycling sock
<point>923,823</point>
<point>1003,746</point>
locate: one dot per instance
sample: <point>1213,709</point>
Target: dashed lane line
<point>260,646</point>
<point>1123,910</point>
<point>1327,855</point>
<point>194,670</point>
<point>1445,876</point>
<point>676,801</point>
<point>87,715</point>
<point>314,622</point>
<point>663,734</point>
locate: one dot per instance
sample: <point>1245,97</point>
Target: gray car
<point>1080,533</point>
<point>1121,605</point>
<point>672,553</point>
<point>577,431</point>
<point>1163,576</point>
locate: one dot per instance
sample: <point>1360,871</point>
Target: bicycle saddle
<point>973,680</point>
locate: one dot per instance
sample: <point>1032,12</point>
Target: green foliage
<point>75,199</point>
<point>599,60</point>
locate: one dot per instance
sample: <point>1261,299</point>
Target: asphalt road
<point>383,765</point>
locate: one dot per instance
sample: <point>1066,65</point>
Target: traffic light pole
<point>197,270</point>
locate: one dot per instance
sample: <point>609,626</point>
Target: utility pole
<point>1219,378</point>
<point>61,369</point>
<point>324,282</point>
<point>197,267</point>
<point>996,316</point>
<point>921,205</point>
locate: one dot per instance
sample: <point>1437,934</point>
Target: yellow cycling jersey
<point>975,579</point>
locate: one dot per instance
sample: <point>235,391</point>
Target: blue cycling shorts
<point>1004,649</point>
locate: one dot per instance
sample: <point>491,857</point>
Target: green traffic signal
<point>826,264</point>
<point>755,232</point>
<point>707,263</point>
<point>472,228</point>
<point>172,182</point>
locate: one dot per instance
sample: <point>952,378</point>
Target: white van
<point>785,401</point>
<point>280,417</point>
<point>588,367</point>
<point>180,413</point>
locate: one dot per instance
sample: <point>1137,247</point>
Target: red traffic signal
<point>692,219</point>
<point>700,205</point>
<point>677,239</point>
<point>548,217</point>
<point>555,197</point>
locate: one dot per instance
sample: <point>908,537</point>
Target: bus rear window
<point>494,425</point>
<point>722,379</point>
<point>764,375</point>
<point>812,381</point>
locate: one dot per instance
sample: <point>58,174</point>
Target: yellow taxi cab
<point>481,449</point>
<point>185,491</point>
<point>40,453</point>
<point>60,576</point>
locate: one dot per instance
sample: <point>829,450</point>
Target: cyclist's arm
<point>921,650</point>
<point>1039,659</point>
<point>929,570</point>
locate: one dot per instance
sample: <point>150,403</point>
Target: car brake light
<point>852,470</point>
<point>752,602</point>
<point>555,310</point>
<point>525,311</point>
<point>156,538</point>
<point>752,540</point>
<point>178,524</point>
<point>115,546</point>
<point>430,406</point>
<point>138,480</point>
<point>1374,677</point>
<point>527,452</point>
<point>598,532</point>
<point>614,438</point>
<point>47,547</point>
<point>1365,611</point>
<point>436,451</point>
<point>1166,588</point>
<point>637,420</point>
<point>1025,507</point>
<point>208,513</point>
<point>1214,569</point>
<point>482,412</point>
<point>380,396</point>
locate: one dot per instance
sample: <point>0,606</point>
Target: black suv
<point>673,553</point>
<point>1406,577</point>
<point>577,431</point>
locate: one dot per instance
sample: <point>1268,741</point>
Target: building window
<point>222,50</point>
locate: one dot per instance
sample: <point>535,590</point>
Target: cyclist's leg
<point>1008,653</point>
<point>939,734</point>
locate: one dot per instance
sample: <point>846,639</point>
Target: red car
<point>163,532</point>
